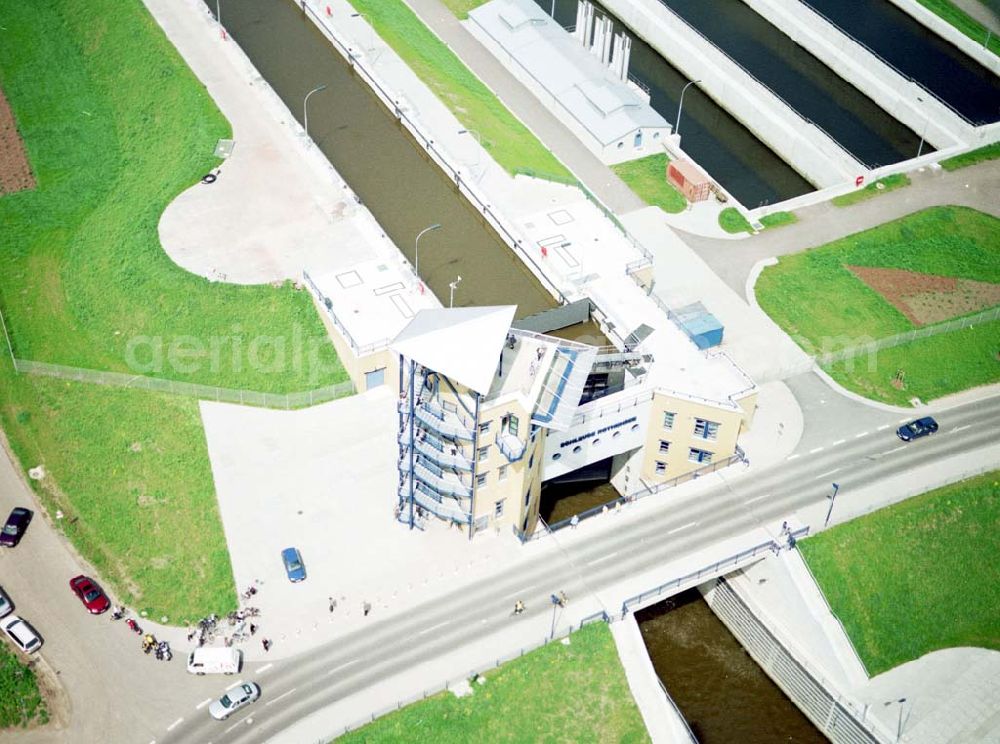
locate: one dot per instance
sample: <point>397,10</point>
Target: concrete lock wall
<point>950,34</point>
<point>868,73</point>
<point>803,145</point>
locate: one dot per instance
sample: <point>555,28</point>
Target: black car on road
<point>916,429</point>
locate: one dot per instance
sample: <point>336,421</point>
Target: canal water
<point>719,689</point>
<point>731,154</point>
<point>920,54</point>
<point>810,87</point>
<point>385,167</point>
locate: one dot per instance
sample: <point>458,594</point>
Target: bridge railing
<point>709,571</point>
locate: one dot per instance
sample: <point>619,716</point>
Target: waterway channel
<point>389,172</point>
<point>730,153</point>
<point>719,689</point>
<point>920,54</point>
<point>811,88</point>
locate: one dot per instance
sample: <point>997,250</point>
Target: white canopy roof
<point>464,343</point>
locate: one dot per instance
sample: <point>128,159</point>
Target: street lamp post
<point>899,725</point>
<point>923,134</point>
<point>453,285</point>
<point>832,497</point>
<point>416,247</point>
<point>680,106</point>
<point>305,107</point>
<point>218,17</point>
<point>555,608</point>
<point>371,28</point>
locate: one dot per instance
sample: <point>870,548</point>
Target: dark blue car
<point>294,567</point>
<point>17,523</point>
<point>916,429</point>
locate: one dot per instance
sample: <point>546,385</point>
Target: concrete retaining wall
<point>803,145</point>
<point>867,72</point>
<point>951,34</point>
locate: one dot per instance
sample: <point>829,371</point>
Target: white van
<point>215,661</point>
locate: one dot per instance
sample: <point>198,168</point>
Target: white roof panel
<point>464,344</point>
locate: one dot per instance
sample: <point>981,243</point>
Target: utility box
<point>689,180</point>
<point>700,325</point>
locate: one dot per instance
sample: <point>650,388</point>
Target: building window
<point>510,424</point>
<point>374,378</point>
<point>577,449</point>
<point>484,453</point>
<point>498,508</point>
<point>531,461</point>
<point>661,467</point>
<point>664,446</point>
<point>697,455</point>
<point>502,473</point>
<point>668,420</point>
<point>557,456</point>
<point>527,497</point>
<point>481,480</point>
<point>706,429</point>
<point>484,427</point>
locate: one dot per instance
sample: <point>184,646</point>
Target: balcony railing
<point>445,484</point>
<point>511,447</point>
<point>443,422</point>
<point>426,498</point>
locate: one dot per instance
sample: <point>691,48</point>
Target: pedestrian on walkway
<point>574,521</point>
<point>253,628</point>
<point>367,607</point>
<point>333,604</point>
<point>266,644</point>
<point>618,507</point>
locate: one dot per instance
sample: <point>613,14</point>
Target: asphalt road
<point>297,687</point>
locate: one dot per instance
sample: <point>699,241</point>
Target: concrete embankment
<point>804,146</point>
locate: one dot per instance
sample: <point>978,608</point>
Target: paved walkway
<point>597,177</point>
<point>278,205</point>
<point>976,186</point>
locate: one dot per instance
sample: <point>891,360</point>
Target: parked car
<point>92,596</point>
<point>294,567</point>
<point>6,606</point>
<point>215,661</point>
<point>17,523</point>
<point>233,700</point>
<point>916,429</point>
<point>22,634</point>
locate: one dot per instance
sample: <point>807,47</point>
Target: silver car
<point>5,604</point>
<point>22,634</point>
<point>232,701</point>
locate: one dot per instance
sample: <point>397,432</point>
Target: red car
<point>92,596</point>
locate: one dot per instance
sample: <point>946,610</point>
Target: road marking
<point>284,694</point>
<point>829,472</point>
<point>603,558</point>
<point>175,724</point>
<point>904,420</point>
<point>862,434</point>
<point>234,684</point>
<point>814,451</point>
<point>203,703</point>
<point>961,428</point>
<point>889,452</point>
<point>337,669</point>
<point>839,441</point>
<point>883,427</point>
<point>756,498</point>
<point>242,720</point>
<point>433,627</point>
<point>792,457</point>
<point>682,527</point>
<point>265,668</point>
<point>521,591</point>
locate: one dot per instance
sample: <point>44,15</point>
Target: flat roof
<point>603,104</point>
<point>371,302</point>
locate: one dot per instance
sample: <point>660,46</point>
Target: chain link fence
<point>283,401</point>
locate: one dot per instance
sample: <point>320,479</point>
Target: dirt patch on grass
<point>15,171</point>
<point>928,298</point>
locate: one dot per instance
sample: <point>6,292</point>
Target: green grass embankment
<point>917,576</point>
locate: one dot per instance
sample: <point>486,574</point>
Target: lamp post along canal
<point>680,106</point>
<point>305,107</point>
<point>416,247</point>
<point>453,285</point>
